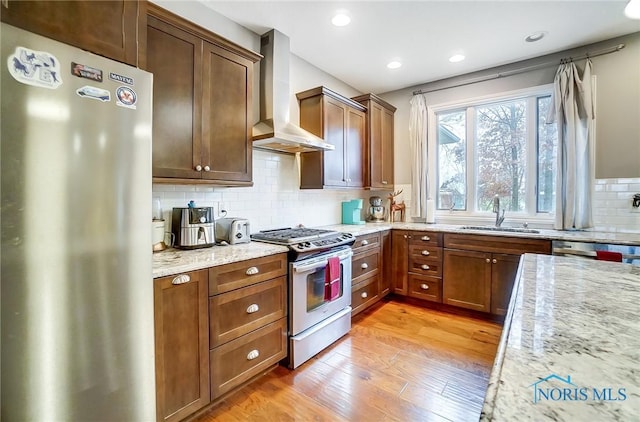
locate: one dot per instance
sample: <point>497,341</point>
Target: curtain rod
<point>524,69</point>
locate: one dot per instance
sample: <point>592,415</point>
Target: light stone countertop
<point>569,320</point>
<point>175,261</point>
<point>577,236</point>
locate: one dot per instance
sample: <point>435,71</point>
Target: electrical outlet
<point>222,210</point>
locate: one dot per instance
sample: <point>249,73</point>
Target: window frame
<point>531,213</point>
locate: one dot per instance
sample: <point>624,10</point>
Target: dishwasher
<point>628,254</point>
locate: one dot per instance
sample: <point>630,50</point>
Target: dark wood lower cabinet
<point>181,344</point>
<point>467,279</point>
<point>399,261</point>
<point>387,269</point>
<point>504,268</point>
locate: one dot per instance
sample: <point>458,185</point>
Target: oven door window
<point>315,288</point>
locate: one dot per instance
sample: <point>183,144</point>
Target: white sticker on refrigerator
<point>37,68</point>
<point>126,97</point>
<point>94,93</point>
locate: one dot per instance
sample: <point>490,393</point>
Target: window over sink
<point>499,145</point>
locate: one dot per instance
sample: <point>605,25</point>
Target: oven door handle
<point>320,264</point>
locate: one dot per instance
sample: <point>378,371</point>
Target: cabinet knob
<point>181,279</point>
<point>365,242</point>
<point>426,238</point>
<point>487,260</point>
<point>424,286</point>
<point>364,295</point>
<point>425,267</point>
<point>364,266</point>
<point>495,261</point>
<point>207,168</point>
<point>405,236</point>
<point>410,237</point>
<point>252,271</point>
<point>384,182</point>
<point>425,253</point>
<point>198,167</point>
<point>253,308</point>
<point>253,354</point>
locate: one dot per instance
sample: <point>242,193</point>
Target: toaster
<point>193,227</point>
<point>232,230</point>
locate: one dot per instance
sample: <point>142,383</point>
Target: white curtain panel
<point>573,111</point>
<point>419,169</point>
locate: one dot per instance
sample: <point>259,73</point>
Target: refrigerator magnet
<point>94,93</point>
<point>126,97</point>
<point>36,68</point>
<point>120,78</point>
<point>87,72</point>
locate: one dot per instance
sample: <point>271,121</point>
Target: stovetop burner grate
<point>293,235</point>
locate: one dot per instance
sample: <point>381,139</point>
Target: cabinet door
<point>182,344</point>
<point>354,148</point>
<point>400,261</point>
<point>335,121</point>
<point>467,279</point>
<point>226,145</point>
<point>107,28</point>
<point>386,161</point>
<point>503,274</point>
<point>387,276</point>
<point>174,57</point>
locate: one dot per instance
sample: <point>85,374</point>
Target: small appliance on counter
<point>351,212</point>
<point>193,227</point>
<point>158,235</point>
<point>233,230</point>
<point>377,211</point>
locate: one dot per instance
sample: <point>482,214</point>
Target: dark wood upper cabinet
<point>378,161</point>
<point>113,29</point>
<point>340,122</point>
<point>202,103</point>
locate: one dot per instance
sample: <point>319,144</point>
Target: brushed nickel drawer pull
<point>364,295</point>
<point>425,253</point>
<point>253,308</point>
<point>426,238</point>
<point>487,260</point>
<point>365,242</point>
<point>364,266</point>
<point>495,261</point>
<point>424,286</point>
<point>181,279</point>
<point>252,271</point>
<point>253,354</point>
<point>425,267</point>
<point>384,182</point>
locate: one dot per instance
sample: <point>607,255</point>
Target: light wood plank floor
<point>399,363</point>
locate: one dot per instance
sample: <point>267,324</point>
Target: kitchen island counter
<point>175,261</point>
<point>570,347</point>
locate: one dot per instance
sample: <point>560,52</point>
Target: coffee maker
<point>377,212</point>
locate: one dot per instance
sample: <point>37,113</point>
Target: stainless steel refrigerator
<point>76,287</point>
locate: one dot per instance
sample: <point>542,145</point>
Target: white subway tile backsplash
<point>612,210</point>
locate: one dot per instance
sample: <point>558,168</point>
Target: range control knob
<point>203,219</point>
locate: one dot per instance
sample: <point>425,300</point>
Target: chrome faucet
<point>496,209</point>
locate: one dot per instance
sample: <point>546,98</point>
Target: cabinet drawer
<point>425,238</point>
<point>225,278</point>
<point>427,288</point>
<point>428,266</point>
<point>365,266</point>
<point>365,294</point>
<point>241,359</point>
<point>241,311</point>
<point>425,252</point>
<point>366,242</point>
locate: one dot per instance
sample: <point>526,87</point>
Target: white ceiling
<point>424,34</point>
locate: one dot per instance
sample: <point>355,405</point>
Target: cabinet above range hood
<point>274,131</point>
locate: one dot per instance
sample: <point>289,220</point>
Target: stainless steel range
<point>319,287</point>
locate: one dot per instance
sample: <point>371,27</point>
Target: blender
<point>377,211</point>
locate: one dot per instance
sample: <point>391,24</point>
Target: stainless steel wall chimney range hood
<point>274,131</point>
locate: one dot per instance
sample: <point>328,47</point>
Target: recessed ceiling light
<point>536,36</point>
<point>394,64</point>
<point>341,19</point>
<point>456,58</point>
<point>632,11</point>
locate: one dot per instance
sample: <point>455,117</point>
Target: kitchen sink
<point>501,229</point>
